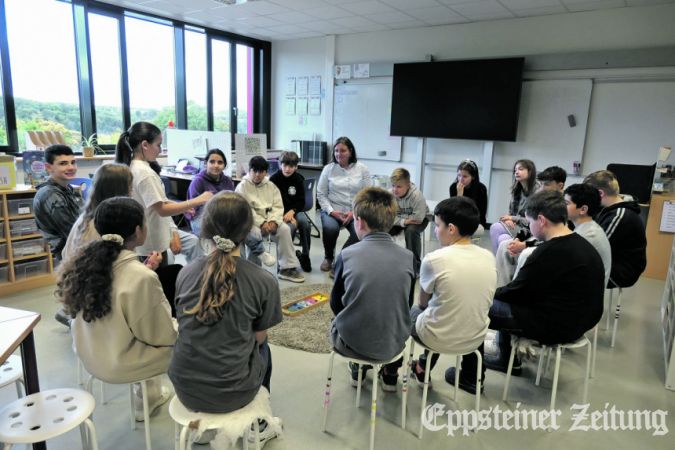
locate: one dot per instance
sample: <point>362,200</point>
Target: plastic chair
<point>47,414</point>
<point>581,342</point>
<point>617,312</point>
<point>83,184</point>
<point>373,403</point>
<point>309,204</point>
<point>427,372</point>
<point>11,371</point>
<point>239,421</point>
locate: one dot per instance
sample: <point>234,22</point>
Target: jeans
<point>304,231</point>
<point>502,320</point>
<point>190,245</point>
<point>331,229</point>
<point>285,250</point>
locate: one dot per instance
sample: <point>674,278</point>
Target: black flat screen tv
<point>475,99</point>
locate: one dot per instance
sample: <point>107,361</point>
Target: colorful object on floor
<point>304,304</point>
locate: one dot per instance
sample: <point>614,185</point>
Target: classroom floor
<point>630,376</point>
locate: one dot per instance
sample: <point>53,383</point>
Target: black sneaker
<point>62,318</point>
<point>354,372</point>
<point>305,263</point>
<point>465,385</point>
<point>502,364</point>
<point>388,382</point>
<point>418,376</point>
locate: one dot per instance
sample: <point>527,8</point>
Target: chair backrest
<point>635,180</point>
<point>83,184</point>
<point>309,193</point>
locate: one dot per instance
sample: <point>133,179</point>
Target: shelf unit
<point>14,270</point>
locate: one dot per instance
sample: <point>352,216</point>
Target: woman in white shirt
<point>340,181</point>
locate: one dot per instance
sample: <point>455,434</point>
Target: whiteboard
<point>188,144</point>
<point>362,112</point>
<point>544,132</point>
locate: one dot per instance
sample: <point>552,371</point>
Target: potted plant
<point>89,145</point>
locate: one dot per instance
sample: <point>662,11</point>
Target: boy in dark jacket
<point>292,187</point>
<point>626,233</point>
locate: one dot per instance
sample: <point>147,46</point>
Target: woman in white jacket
<point>122,328</point>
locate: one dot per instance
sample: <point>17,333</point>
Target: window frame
<point>262,56</point>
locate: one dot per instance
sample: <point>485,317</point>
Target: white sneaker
<point>265,434</point>
<point>268,259</point>
<point>153,404</point>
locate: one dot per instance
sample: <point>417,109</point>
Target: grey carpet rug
<point>307,331</point>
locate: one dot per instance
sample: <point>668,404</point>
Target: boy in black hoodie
<point>292,187</point>
<point>626,233</point>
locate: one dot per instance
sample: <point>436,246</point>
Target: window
<point>151,67</point>
<point>106,69</point>
<point>195,79</point>
<point>3,121</point>
<point>220,57</point>
<point>43,68</point>
<point>244,89</point>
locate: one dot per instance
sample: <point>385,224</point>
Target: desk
<point>16,328</point>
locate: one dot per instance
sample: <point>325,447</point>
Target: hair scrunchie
<point>116,238</point>
<point>223,244</point>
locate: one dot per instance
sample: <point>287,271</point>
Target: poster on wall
<point>343,72</point>
<point>315,85</point>
<point>302,86</point>
<point>290,86</point>
<point>301,106</point>
<point>315,106</point>
<point>361,70</point>
<point>290,106</point>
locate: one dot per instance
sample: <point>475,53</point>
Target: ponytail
<point>123,151</point>
<point>132,138</point>
<point>218,287</point>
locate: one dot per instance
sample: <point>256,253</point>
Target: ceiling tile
<point>353,21</point>
<point>293,17</point>
<point>584,5</point>
<point>367,7</point>
<point>328,12</point>
<point>430,13</point>
<point>259,21</point>
<point>325,26</point>
<point>445,20</point>
<point>224,12</point>
<point>389,17</point>
<point>410,24</point>
<point>369,28</point>
<point>647,2</point>
<point>486,9</point>
<point>287,29</point>
<point>540,11</point>
<point>528,4</point>
<point>405,5</point>
<point>341,2</point>
<point>299,5</point>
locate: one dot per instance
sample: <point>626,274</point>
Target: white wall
<point>628,120</point>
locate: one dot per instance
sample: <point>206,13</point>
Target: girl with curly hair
<point>224,306</point>
<point>122,328</point>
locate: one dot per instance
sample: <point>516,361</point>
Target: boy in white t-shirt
<point>457,284</point>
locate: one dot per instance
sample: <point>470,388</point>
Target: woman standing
<point>340,181</point>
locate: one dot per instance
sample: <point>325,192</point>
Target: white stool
<point>47,414</point>
<point>377,365</point>
<point>146,408</point>
<point>235,423</point>
<point>617,312</point>
<point>581,342</point>
<point>11,371</point>
<point>427,371</point>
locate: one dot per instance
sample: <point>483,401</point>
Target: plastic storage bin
<point>27,248</point>
<point>20,206</point>
<point>30,269</point>
<point>4,274</point>
<point>22,227</point>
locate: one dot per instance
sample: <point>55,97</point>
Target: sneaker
<point>326,265</point>
<point>388,382</point>
<point>502,364</point>
<point>331,273</point>
<point>305,263</point>
<point>268,259</point>
<point>62,318</point>
<point>265,432</point>
<point>291,275</point>
<point>153,405</point>
<point>353,369</point>
<point>465,385</point>
<point>206,437</point>
<point>418,375</point>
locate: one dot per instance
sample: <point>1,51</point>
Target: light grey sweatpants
<point>286,256</point>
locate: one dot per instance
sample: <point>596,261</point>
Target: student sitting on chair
<point>558,294</point>
<point>457,282</point>
<point>292,187</point>
<point>268,216</point>
<point>468,185</point>
<point>373,290</point>
<point>626,233</point>
<point>512,254</point>
<point>122,328</point>
<point>56,204</point>
<point>411,216</point>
